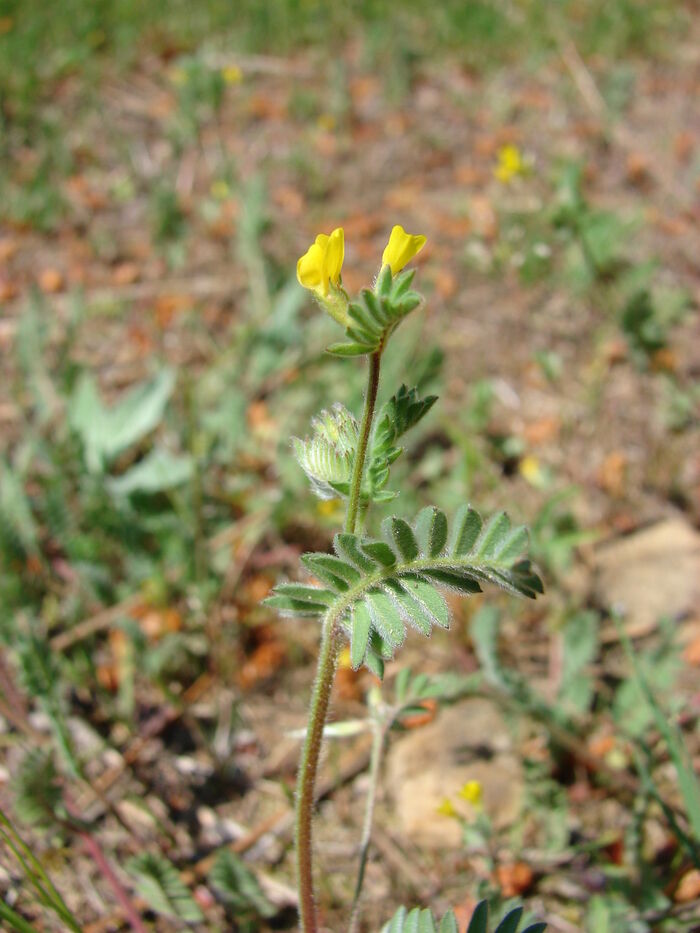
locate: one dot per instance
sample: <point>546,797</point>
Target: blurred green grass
<point>41,44</point>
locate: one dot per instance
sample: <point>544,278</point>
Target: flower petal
<point>322,262</point>
<point>310,267</point>
<point>401,248</point>
<point>335,253</point>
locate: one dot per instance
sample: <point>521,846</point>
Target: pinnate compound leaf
<point>423,921</point>
<point>238,887</point>
<point>373,589</point>
<point>159,884</point>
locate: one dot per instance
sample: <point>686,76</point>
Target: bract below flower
<point>321,264</point>
<point>401,248</point>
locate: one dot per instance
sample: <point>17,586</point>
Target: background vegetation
<point>161,168</point>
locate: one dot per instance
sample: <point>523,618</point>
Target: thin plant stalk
<point>378,742</point>
<point>325,672</point>
<point>15,921</point>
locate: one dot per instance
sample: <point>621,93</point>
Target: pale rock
<point>466,742</point>
<point>651,573</point>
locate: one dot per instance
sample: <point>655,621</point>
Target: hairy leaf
<point>423,921</point>
<point>373,589</point>
<point>377,314</point>
<point>159,884</point>
<point>326,457</point>
<point>238,887</point>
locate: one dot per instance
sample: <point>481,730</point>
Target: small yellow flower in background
<point>326,122</point>
<point>321,264</point>
<point>446,808</point>
<point>220,189</point>
<point>510,163</point>
<point>530,469</point>
<point>344,659</point>
<point>232,74</point>
<point>329,508</point>
<point>472,792</point>
<point>178,76</point>
<point>401,248</point>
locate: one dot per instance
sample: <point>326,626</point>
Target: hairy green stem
<point>361,453</point>
<point>320,698</point>
<point>307,774</point>
<point>374,766</point>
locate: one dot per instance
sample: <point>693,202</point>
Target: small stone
<point>467,742</point>
<point>649,574</point>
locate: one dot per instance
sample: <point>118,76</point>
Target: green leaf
<point>331,570</point>
<point>431,531</point>
<point>349,349</point>
<point>380,552</point>
<point>467,527</point>
<point>17,524</point>
<point>423,921</point>
<point>398,415</point>
<point>160,885</point>
<point>238,887</point>
<point>348,548</point>
<point>398,584</point>
<point>480,918</point>
<point>385,617</point>
<point>400,536</point>
<point>327,456</point>
<point>37,791</point>
<point>159,470</point>
<point>108,432</point>
<point>494,536</point>
<point>510,922</point>
<point>448,924</point>
<point>360,630</point>
<point>377,313</point>
<point>454,580</point>
<point>300,599</point>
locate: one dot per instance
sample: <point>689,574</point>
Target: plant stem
<point>307,775</point>
<point>15,920</point>
<point>320,697</point>
<point>365,429</point>
<point>374,766</point>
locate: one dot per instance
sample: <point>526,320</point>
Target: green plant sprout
<point>371,588</point>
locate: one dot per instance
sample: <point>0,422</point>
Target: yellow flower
<point>531,469</point>
<point>446,808</point>
<point>321,264</point>
<point>401,249</point>
<point>232,74</point>
<point>472,793</point>
<point>219,189</point>
<point>510,163</point>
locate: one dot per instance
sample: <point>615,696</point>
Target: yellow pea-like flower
<point>321,264</point>
<point>401,248</point>
<point>510,163</point>
<point>446,808</point>
<point>472,792</point>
